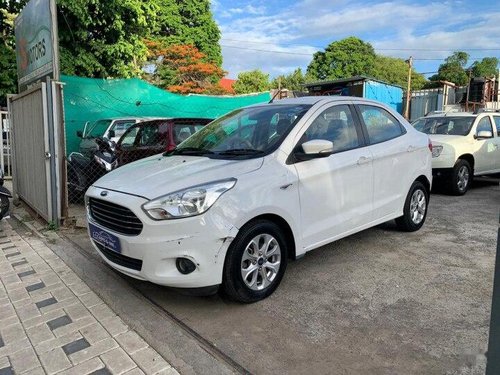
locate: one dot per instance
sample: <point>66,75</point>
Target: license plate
<point>108,240</point>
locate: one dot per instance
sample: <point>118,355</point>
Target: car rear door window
<point>335,124</point>
<point>497,124</point>
<point>380,124</point>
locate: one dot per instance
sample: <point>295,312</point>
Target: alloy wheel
<point>418,205</point>
<point>261,262</point>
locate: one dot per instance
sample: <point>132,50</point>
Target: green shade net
<point>89,99</point>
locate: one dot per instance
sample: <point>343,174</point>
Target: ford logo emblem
<point>104,193</point>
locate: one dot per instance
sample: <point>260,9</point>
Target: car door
<point>393,155</point>
<point>496,141</point>
<point>485,149</point>
<point>335,191</point>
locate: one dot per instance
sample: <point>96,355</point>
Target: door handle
<point>364,160</point>
<point>411,149</point>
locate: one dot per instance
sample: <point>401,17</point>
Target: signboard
<point>36,42</point>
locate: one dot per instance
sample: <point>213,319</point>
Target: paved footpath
<point>51,322</point>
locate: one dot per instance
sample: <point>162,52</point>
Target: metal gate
<point>5,148</point>
<point>30,140</point>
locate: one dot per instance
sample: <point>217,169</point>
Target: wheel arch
<point>469,158</point>
<point>284,226</point>
<point>425,181</point>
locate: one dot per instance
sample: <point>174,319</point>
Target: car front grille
<point>121,260</point>
<point>115,217</point>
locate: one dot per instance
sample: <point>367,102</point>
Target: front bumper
<point>203,239</point>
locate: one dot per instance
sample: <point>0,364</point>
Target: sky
<point>279,36</point>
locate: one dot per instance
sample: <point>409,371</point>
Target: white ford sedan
<point>262,185</point>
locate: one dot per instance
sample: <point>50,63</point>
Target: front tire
<point>460,178</point>
<point>255,263</point>
<point>415,208</point>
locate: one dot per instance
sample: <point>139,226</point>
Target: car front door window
<point>484,125</point>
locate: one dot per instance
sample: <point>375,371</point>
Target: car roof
<point>312,100</point>
<point>452,114</point>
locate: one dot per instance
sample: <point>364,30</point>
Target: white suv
<point>463,145</point>
<point>261,185</point>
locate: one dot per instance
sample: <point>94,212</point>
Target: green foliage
<point>341,59</point>
<point>104,38</point>
<point>293,81</point>
<point>8,75</point>
<point>251,81</point>
<point>394,70</point>
<point>453,69</point>
<point>487,67</point>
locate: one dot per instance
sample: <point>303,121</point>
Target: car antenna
<point>275,95</point>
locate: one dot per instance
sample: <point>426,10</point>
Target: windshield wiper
<point>188,151</point>
<point>240,151</point>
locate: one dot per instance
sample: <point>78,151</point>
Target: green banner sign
<point>35,30</point>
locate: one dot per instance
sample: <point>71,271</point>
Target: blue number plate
<point>108,240</point>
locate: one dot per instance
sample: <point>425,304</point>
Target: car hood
<point>159,175</point>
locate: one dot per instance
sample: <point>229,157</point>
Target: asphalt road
<point>378,302</point>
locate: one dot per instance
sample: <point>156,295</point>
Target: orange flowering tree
<point>183,69</point>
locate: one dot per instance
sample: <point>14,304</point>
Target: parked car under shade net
<point>137,141</point>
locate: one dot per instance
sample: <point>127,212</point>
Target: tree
<point>251,81</point>
<point>183,69</point>
<point>188,22</point>
<point>104,38</point>
<point>394,70</point>
<point>293,81</point>
<point>342,59</point>
<point>487,67</point>
<point>453,69</point>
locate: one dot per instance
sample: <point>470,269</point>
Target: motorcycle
<point>83,171</point>
<point>5,194</point>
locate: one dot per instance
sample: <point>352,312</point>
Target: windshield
<point>247,132</point>
<point>98,128</point>
<point>459,125</point>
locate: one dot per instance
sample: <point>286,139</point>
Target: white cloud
<point>297,32</point>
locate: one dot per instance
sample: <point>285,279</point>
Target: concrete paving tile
<point>94,333</point>
<point>86,367</point>
<point>57,342</point>
<point>75,346</point>
<point>77,311</point>
<point>12,333</point>
<point>114,325</point>
<point>93,351</point>
<point>75,326</point>
<point>131,341</point>
<point>134,371</point>
<point>117,361</point>
<point>39,334</point>
<point>54,361</point>
<point>24,360</point>
<point>102,312</point>
<point>150,361</point>
<point>90,300</point>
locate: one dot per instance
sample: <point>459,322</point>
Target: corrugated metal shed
<point>361,86</point>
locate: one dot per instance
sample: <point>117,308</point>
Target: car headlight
<point>188,202</point>
<point>436,151</point>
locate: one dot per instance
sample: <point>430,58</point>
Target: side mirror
<point>79,134</point>
<point>316,148</point>
<point>484,134</point>
<point>111,134</point>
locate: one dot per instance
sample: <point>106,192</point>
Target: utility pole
<point>408,90</point>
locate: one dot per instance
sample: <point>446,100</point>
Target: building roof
<point>359,78</point>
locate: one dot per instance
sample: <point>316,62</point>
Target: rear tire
<point>255,262</point>
<point>461,178</point>
<point>415,208</point>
